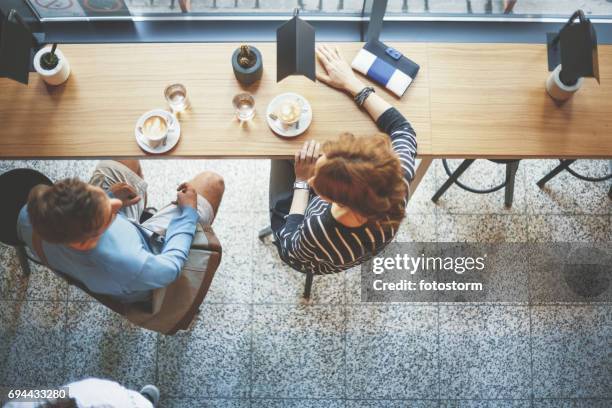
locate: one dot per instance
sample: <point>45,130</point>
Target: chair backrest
<point>176,306</point>
<point>15,186</point>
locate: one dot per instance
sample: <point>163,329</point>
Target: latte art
<point>155,127</point>
<point>289,112</point>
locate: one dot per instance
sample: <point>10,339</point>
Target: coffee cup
<point>155,129</point>
<point>289,112</point>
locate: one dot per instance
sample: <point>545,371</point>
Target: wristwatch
<point>301,185</point>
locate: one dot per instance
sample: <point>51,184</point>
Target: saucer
<point>174,133</point>
<point>292,130</point>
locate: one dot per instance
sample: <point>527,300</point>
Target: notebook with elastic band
<point>386,66</point>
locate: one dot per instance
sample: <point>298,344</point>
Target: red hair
<point>365,175</point>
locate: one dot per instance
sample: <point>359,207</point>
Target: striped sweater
<point>315,242</point>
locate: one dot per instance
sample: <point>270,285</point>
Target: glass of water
<point>176,95</point>
<point>244,104</point>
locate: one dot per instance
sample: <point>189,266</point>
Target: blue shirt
<point>122,264</point>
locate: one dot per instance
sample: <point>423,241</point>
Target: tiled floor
<point>255,345</point>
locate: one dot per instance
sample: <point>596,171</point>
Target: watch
<point>301,185</point>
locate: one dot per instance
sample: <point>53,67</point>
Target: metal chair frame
<point>564,164</point>
<point>453,178</point>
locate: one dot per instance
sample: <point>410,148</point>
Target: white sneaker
<point>151,393</point>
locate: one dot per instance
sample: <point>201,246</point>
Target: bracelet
<point>301,185</point>
<point>362,95</point>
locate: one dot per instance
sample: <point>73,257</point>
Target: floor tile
<point>485,404</point>
<point>420,201</point>
<point>37,351</point>
<point>392,403</point>
<point>417,228</point>
<point>298,351</point>
<point>77,295</point>
<point>102,344</point>
<point>573,403</point>
<point>204,403</point>
<point>297,403</point>
<point>212,360</point>
<point>484,352</point>
<point>9,319</point>
<point>571,351</point>
<point>504,277</point>
<point>482,174</point>
<point>42,284</point>
<point>481,228</point>
<point>259,200</point>
<point>233,280</point>
<point>13,283</point>
<point>46,285</point>
<point>570,272</point>
<point>566,194</point>
<point>392,351</point>
<point>568,228</point>
<point>54,169</point>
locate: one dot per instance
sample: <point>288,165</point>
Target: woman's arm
<point>339,74</point>
<point>305,160</point>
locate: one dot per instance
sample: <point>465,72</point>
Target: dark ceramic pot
<point>247,76</point>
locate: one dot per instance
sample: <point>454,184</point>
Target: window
<point>332,9</point>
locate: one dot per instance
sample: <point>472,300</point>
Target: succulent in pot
<point>247,64</point>
<point>52,65</point>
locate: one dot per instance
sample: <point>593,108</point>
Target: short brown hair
<point>365,175</point>
<point>68,211</point>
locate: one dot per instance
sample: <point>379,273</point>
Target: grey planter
<point>247,76</point>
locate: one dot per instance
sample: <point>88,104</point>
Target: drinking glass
<point>176,95</point>
<point>244,104</point>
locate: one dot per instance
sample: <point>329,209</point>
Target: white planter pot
<point>57,75</point>
<point>557,89</point>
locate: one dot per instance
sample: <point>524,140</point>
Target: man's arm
<point>160,270</point>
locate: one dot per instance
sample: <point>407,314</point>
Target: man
<point>91,231</point>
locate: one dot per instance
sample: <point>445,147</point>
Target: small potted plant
<point>52,65</point>
<point>247,64</point>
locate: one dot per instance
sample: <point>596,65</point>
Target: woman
<point>360,185</point>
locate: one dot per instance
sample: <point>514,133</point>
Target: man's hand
<point>126,193</point>
<point>305,160</point>
<point>338,73</point>
<point>187,196</point>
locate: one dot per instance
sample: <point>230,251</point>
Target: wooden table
<point>468,101</point>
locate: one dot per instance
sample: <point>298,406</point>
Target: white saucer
<point>292,130</point>
<point>174,133</point>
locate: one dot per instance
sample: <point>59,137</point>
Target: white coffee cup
<point>155,128</point>
<point>289,112</point>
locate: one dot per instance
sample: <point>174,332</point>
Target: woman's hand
<point>338,73</point>
<point>305,160</point>
<point>126,193</point>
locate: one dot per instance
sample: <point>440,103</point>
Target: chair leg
<point>511,169</point>
<point>562,166</point>
<point>451,180</point>
<point>308,285</point>
<point>265,233</point>
<point>23,260</point>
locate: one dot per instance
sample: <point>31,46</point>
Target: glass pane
<point>508,8</point>
<point>126,8</point>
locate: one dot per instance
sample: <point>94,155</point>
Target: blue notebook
<point>386,66</point>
